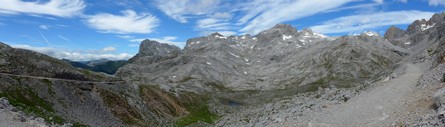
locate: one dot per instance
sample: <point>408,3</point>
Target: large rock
<point>394,33</point>
<point>439,100</point>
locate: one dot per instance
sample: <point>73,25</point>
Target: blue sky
<point>113,29</point>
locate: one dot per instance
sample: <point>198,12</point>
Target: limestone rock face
<point>151,48</point>
<point>393,33</point>
<point>277,58</point>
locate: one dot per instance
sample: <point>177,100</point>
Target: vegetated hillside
<point>105,66</point>
<point>26,62</point>
<point>49,88</point>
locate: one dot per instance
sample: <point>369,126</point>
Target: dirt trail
<point>59,79</point>
<point>383,105</point>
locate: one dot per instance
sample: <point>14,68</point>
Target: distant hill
<point>101,65</point>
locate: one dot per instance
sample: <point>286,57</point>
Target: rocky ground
<point>10,116</point>
<point>404,98</point>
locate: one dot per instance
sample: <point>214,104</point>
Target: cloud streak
<point>182,10</point>
<point>167,39</point>
<point>127,23</point>
<point>75,55</point>
<point>59,8</point>
<point>436,2</point>
<point>287,11</point>
<point>358,23</point>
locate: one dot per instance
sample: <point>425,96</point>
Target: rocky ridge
<point>281,53</point>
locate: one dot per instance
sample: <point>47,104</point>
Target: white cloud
<point>182,10</point>
<point>129,22</point>
<point>125,36</point>
<point>75,55</point>
<point>133,45</point>
<point>360,6</point>
<point>436,2</point>
<point>210,25</point>
<point>63,38</point>
<point>402,1</point>
<point>378,1</point>
<point>166,39</point>
<point>45,27</point>
<point>357,23</point>
<point>109,49</point>
<point>287,11</point>
<point>59,8</point>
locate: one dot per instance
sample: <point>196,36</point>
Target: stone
<point>439,97</point>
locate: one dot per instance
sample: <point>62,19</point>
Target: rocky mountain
<point>277,58</point>
<point>101,65</point>
<point>53,93</point>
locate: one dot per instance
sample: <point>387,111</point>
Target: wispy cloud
<point>128,22</point>
<point>59,8</point>
<point>44,27</point>
<point>357,23</point>
<point>63,37</point>
<point>166,39</point>
<point>436,2</point>
<point>401,1</point>
<point>360,6</point>
<point>44,38</point>
<point>287,11</point>
<point>109,49</point>
<point>125,36</point>
<point>182,10</point>
<point>77,55</point>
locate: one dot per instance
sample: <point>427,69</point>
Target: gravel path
<point>384,105</point>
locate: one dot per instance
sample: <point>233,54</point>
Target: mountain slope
<point>46,87</point>
<point>277,58</point>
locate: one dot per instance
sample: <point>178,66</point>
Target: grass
<point>116,104</point>
<point>25,99</point>
<point>50,87</point>
<point>185,79</point>
<point>197,113</point>
<point>30,103</point>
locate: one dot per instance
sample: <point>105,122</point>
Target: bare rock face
<point>277,58</point>
<point>420,33</point>
<point>151,48</point>
<point>394,33</point>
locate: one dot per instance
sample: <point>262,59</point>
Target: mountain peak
<point>394,32</point>
<point>216,34</point>
<point>151,48</point>
<point>4,46</point>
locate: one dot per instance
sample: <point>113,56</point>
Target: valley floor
<point>391,103</point>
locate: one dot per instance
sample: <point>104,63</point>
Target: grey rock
<point>13,109</point>
<point>439,100</point>
<point>394,33</point>
<point>19,117</point>
<point>287,58</point>
<point>151,48</point>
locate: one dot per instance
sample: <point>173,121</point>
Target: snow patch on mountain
<point>286,37</point>
<point>426,27</point>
